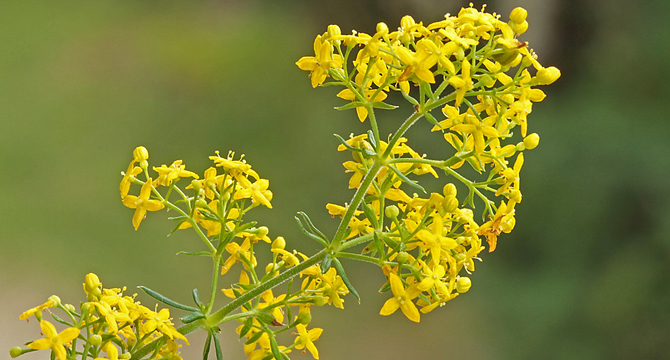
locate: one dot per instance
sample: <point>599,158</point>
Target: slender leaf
<point>254,338</point>
<point>406,179</point>
<point>351,105</point>
<point>191,317</point>
<point>309,234</point>
<point>208,343</point>
<point>275,349</point>
<point>345,144</point>
<point>264,317</point>
<point>343,275</point>
<point>326,262</point>
<point>370,215</point>
<point>313,228</point>
<point>431,118</point>
<point>166,300</point>
<point>411,100</point>
<point>247,326</point>
<point>383,105</point>
<point>195,253</point>
<point>196,298</point>
<point>217,347</point>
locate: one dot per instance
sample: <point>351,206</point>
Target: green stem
<point>219,316</point>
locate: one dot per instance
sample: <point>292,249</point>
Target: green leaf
<point>351,105</point>
<point>383,105</point>
<point>254,338</point>
<point>406,179</point>
<point>208,343</point>
<point>372,139</point>
<point>311,235</point>
<point>345,144</point>
<point>166,300</point>
<point>182,219</point>
<point>196,298</point>
<point>345,279</point>
<point>313,228</point>
<point>326,262</point>
<point>217,346</point>
<point>431,118</point>
<point>191,317</point>
<point>275,349</point>
<point>411,100</point>
<point>370,215</point>
<point>263,317</point>
<point>247,326</point>
<point>195,253</point>
<point>379,246</point>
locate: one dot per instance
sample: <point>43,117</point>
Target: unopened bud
<point>16,351</point>
<point>519,28</point>
<point>518,15</point>
<point>463,284</point>
<point>449,190</point>
<point>279,243</point>
<point>403,257</point>
<point>382,28</point>
<point>55,299</point>
<point>531,141</point>
<point>450,204</point>
<point>546,76</point>
<point>392,211</point>
<point>141,155</point>
<point>334,30</point>
<point>95,340</point>
<point>69,307</point>
<point>262,231</point>
<point>407,22</point>
<point>304,317</point>
<point>536,95</point>
<point>91,282</point>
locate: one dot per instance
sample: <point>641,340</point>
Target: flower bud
<point>86,308</point>
<point>70,307</point>
<point>16,351</point>
<point>487,80</point>
<point>519,28</point>
<point>508,225</point>
<point>95,340</point>
<point>125,355</point>
<point>279,243</point>
<point>463,284</point>
<point>546,76</point>
<point>262,231</point>
<point>392,211</point>
<point>334,30</point>
<point>407,22</point>
<point>403,257</point>
<point>450,204</point>
<point>382,28</point>
<point>270,268</point>
<point>304,317</point>
<point>200,203</point>
<point>518,15</point>
<point>141,155</point>
<point>91,282</point>
<point>536,95</point>
<point>55,299</point>
<point>531,141</point>
<point>449,190</point>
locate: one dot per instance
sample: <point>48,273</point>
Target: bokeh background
<point>583,276</point>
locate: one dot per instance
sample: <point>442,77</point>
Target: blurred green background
<point>583,276</point>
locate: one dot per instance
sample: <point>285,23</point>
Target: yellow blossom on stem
<point>371,95</point>
<point>142,203</point>
<point>306,339</point>
<point>402,299</point>
<point>319,64</point>
<point>53,340</point>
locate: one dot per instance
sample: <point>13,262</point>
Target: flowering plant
<point>470,67</point>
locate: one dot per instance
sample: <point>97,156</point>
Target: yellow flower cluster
<point>473,68</point>
<point>109,322</point>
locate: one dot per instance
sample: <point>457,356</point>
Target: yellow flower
<point>142,204</point>
<point>28,313</point>
<point>132,171</point>
<point>53,340</point>
<point>462,83</point>
<point>434,242</point>
<point>478,130</point>
<point>176,171</point>
<point>307,338</point>
<point>258,191</point>
<point>319,64</point>
<point>402,298</point>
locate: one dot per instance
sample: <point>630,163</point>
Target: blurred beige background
<point>583,276</point>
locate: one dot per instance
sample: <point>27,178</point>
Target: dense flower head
<point>474,69</point>
<point>113,324</point>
